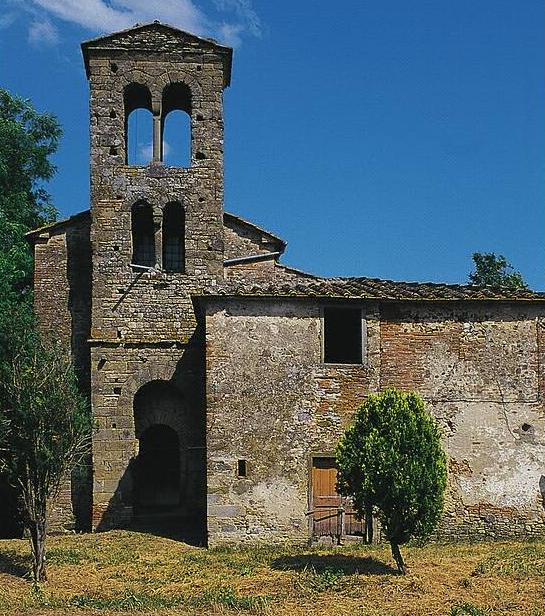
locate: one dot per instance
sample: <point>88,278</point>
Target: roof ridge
<point>155,22</point>
<point>257,227</point>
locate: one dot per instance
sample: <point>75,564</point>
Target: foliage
<point>27,140</point>
<point>42,415</point>
<point>45,428</point>
<point>492,270</point>
<point>391,461</point>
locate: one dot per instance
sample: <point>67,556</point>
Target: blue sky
<point>379,138</point>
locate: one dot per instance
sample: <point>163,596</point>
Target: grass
<point>122,572</point>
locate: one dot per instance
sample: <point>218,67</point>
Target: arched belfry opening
<point>138,124</point>
<point>166,483</point>
<point>143,234</point>
<point>176,125</point>
<point>174,237</point>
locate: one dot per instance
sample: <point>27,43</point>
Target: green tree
<point>27,140</point>
<point>391,461</point>
<point>45,431</point>
<point>492,270</point>
<point>44,421</point>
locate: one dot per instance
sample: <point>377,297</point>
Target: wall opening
<point>177,139</point>
<point>157,481</point>
<point>342,335</point>
<point>169,473</point>
<point>176,125</point>
<point>173,237</point>
<point>138,125</point>
<point>242,470</point>
<point>143,236</point>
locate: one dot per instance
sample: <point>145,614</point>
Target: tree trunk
<point>398,558</point>
<point>37,544</point>
<point>369,526</point>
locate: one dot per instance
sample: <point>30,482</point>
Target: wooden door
<point>326,503</point>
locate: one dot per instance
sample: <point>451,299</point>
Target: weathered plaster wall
<point>479,366</point>
<point>273,402</point>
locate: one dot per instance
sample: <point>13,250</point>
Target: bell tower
<point>157,238</point>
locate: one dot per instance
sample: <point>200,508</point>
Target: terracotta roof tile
<point>370,288</point>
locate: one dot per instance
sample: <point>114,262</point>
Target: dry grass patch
<point>123,572</point>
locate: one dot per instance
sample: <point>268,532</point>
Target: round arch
<point>160,465</point>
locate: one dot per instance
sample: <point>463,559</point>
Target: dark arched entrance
<point>169,472</point>
<point>157,480</point>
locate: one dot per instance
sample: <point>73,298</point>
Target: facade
<point>221,379</point>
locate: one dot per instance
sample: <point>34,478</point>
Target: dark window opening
<point>342,336</point>
<point>176,125</point>
<point>241,468</point>
<point>173,238</point>
<point>138,125</point>
<point>143,239</point>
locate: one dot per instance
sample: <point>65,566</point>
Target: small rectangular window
<point>342,335</point>
<point>241,468</point>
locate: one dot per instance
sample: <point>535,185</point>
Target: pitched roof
<point>245,223</point>
<point>125,39</point>
<point>59,224</point>
<point>52,226</point>
<point>369,288</point>
<point>308,285</point>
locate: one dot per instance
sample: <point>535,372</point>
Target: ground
<point>118,572</point>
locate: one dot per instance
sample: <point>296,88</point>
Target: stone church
<point>221,379</point>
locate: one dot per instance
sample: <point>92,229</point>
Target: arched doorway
<point>157,481</point>
<point>169,472</point>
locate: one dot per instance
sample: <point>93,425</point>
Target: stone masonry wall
<point>272,402</point>
<point>62,277</point>
<point>119,372</point>
<point>143,324</point>
<point>242,239</point>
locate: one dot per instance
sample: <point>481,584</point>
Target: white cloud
<point>245,12</point>
<point>230,34</point>
<point>102,16</point>
<point>42,33</point>
<point>6,20</point>
<point>145,151</point>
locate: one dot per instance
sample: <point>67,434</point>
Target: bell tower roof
<point>157,37</point>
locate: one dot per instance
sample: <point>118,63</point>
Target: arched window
<point>173,237</point>
<point>143,237</point>
<point>176,125</point>
<point>138,125</point>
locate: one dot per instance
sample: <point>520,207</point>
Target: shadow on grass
<point>347,565</point>
<point>14,564</point>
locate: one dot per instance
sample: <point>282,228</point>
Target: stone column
<point>157,139</point>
